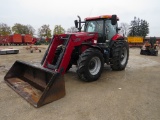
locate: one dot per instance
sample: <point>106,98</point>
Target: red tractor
<point>99,43</point>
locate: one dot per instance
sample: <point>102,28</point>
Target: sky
<point>63,12</point>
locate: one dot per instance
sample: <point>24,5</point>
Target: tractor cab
<point>105,25</point>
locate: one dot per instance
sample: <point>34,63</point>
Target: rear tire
<point>120,55</point>
<point>90,65</point>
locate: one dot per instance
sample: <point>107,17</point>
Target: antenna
<point>90,12</point>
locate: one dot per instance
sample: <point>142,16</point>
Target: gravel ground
<point>132,94</point>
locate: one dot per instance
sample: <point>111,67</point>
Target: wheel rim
<point>124,56</point>
<point>94,65</point>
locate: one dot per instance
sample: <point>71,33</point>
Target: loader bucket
<point>37,85</point>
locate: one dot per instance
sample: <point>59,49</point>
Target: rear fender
<point>115,38</point>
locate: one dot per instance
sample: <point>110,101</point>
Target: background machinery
<point>135,41</point>
<point>99,43</point>
<point>17,39</point>
<point>150,47</point>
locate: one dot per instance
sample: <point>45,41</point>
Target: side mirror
<point>76,23</point>
<point>114,19</point>
<point>118,29</point>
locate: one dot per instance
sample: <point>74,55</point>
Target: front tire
<point>120,55</point>
<point>90,65</point>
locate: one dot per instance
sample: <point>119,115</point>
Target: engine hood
<point>85,34</point>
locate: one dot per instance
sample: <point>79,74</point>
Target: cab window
<point>110,29</point>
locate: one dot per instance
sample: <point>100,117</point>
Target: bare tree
<point>23,29</point>
<point>30,29</point>
<point>58,29</point>
<point>124,29</point>
<point>44,31</point>
<point>4,29</point>
<point>72,30</point>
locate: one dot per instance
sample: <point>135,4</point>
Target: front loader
<point>99,43</point>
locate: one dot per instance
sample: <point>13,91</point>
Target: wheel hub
<point>124,56</point>
<point>94,65</point>
<point>91,65</point>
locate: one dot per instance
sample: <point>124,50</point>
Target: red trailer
<point>15,39</point>
<point>0,40</point>
<point>4,40</point>
<point>27,39</point>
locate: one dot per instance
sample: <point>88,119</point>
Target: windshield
<point>104,28</point>
<point>94,26</point>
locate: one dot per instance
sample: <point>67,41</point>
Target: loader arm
<point>68,42</point>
